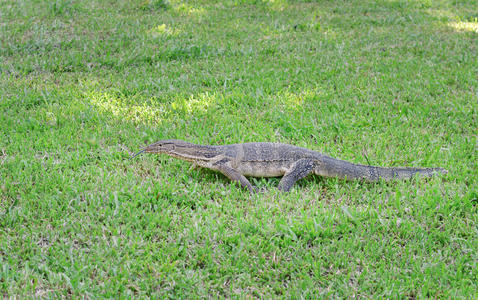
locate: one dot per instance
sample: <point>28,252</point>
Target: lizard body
<point>275,159</point>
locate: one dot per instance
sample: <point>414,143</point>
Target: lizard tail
<point>402,173</point>
<point>331,167</point>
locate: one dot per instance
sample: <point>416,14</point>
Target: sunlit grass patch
<point>465,26</point>
<point>277,5</point>
<point>188,9</point>
<point>150,112</point>
<point>194,104</point>
<point>163,29</point>
<point>127,110</point>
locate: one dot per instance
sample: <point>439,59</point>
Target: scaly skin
<point>274,159</point>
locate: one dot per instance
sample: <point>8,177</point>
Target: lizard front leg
<point>298,170</point>
<point>235,176</point>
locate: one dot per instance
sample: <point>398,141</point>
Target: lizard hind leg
<point>299,170</point>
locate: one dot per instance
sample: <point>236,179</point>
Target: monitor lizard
<point>237,161</point>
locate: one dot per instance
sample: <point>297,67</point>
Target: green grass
<point>83,84</point>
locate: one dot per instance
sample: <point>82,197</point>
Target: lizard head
<point>179,148</point>
<point>165,146</point>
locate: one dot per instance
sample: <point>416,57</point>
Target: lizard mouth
<point>157,148</point>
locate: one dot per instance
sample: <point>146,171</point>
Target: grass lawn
<point>83,84</point>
